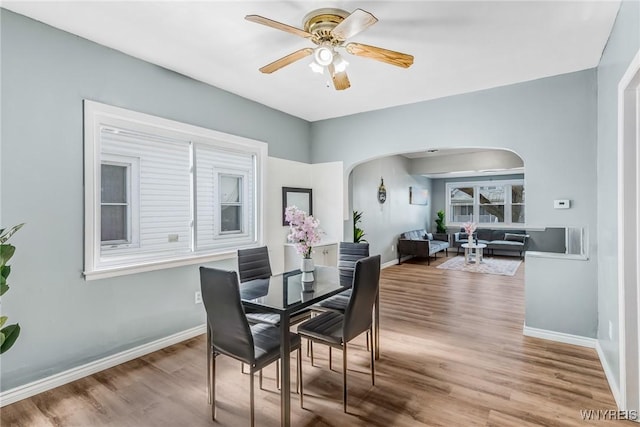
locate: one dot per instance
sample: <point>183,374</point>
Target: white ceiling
<point>458,46</point>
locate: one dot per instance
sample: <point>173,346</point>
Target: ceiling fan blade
<point>379,54</point>
<point>286,60</point>
<point>353,24</point>
<point>340,80</point>
<point>278,25</point>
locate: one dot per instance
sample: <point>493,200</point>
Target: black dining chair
<point>229,332</point>
<point>337,329</point>
<point>254,264</point>
<point>348,254</point>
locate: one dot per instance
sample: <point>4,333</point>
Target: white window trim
<point>97,115</point>
<point>476,203</point>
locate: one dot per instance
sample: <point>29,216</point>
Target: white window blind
<point>173,194</point>
<point>164,204</point>
<point>212,164</point>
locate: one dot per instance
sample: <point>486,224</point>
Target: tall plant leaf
<point>11,333</point>
<point>4,273</point>
<point>3,287</point>
<point>6,252</point>
<point>4,235</point>
<point>3,320</point>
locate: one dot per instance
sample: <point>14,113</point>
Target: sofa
<point>421,244</point>
<point>506,241</point>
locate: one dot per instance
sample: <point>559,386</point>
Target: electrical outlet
<point>393,248</point>
<point>610,330</point>
<point>198,297</point>
<point>173,238</point>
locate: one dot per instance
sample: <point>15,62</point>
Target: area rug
<point>503,267</point>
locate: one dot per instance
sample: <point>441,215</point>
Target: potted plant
<point>440,228</point>
<point>358,233</point>
<point>8,334</point>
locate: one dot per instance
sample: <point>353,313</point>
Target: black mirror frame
<point>285,196</point>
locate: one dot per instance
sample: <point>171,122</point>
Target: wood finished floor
<point>452,354</point>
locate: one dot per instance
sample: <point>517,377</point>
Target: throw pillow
<point>428,236</point>
<point>463,236</point>
<point>510,237</point>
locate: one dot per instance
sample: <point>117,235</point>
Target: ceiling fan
<point>330,29</point>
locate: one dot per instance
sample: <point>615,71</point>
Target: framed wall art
<point>418,196</point>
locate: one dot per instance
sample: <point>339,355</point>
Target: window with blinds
<point>161,192</point>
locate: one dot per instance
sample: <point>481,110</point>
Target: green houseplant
<point>8,334</point>
<point>358,233</point>
<point>440,228</point>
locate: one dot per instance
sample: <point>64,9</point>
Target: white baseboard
<point>611,379</point>
<point>22,392</point>
<point>389,264</point>
<point>559,337</point>
<point>583,342</point>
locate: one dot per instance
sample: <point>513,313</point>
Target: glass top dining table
<point>283,294</point>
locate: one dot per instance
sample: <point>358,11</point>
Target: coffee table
<point>473,253</point>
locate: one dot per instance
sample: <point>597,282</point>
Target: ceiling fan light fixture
<point>339,63</point>
<point>316,68</point>
<point>323,56</point>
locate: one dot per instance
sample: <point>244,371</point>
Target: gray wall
<point>66,321</point>
<point>439,186</point>
<point>383,223</point>
<point>550,123</point>
<point>623,44</point>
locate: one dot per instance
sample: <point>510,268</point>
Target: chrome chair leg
<point>260,380</point>
<point>329,357</point>
<point>300,377</point>
<point>311,343</point>
<point>251,399</point>
<point>212,386</point>
<point>373,368</point>
<point>209,351</point>
<point>278,374</point>
<point>344,376</point>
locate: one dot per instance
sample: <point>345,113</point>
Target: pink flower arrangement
<point>303,230</point>
<point>469,227</point>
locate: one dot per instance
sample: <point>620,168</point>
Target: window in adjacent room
<point>491,204</point>
<point>461,202</point>
<point>161,193</point>
<point>517,204</point>
<point>486,202</point>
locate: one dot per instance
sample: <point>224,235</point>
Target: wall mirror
<point>299,197</point>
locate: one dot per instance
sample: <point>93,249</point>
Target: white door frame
<point>628,235</point>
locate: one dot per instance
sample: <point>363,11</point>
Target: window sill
<point>556,255</point>
<point>107,272</point>
<point>490,226</point>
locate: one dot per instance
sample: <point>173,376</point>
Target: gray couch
<point>419,243</point>
<point>505,241</point>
